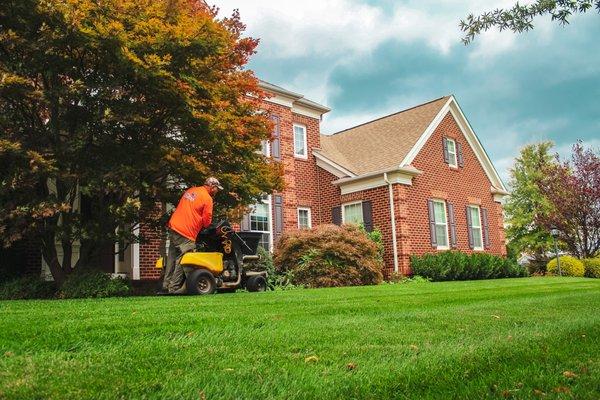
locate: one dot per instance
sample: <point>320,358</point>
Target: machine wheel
<point>201,281</point>
<point>256,283</point>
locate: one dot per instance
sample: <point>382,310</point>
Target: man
<point>193,213</point>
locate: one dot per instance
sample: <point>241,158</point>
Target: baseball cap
<point>212,181</point>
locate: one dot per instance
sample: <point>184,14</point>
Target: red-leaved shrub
<point>329,255</point>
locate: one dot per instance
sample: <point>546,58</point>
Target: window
<point>352,213</point>
<point>304,218</point>
<point>265,148</point>
<point>259,222</point>
<point>441,224</point>
<point>300,150</point>
<point>451,148</point>
<point>476,232</point>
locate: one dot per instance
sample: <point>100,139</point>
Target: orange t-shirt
<point>193,213</point>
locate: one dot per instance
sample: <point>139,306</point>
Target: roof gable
<point>395,140</point>
<point>383,143</point>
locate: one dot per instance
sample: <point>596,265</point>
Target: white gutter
<point>501,192</point>
<point>393,217</point>
<point>410,171</point>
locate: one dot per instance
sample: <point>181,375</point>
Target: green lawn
<point>514,338</point>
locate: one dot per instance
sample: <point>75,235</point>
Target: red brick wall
<point>329,195</point>
<point>460,186</point>
<point>306,179</point>
<point>300,175</point>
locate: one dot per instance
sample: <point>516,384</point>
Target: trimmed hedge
<point>592,267</point>
<point>569,266</point>
<point>458,266</point>
<point>329,255</point>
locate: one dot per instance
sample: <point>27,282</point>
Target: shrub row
<point>571,266</point>
<point>83,284</point>
<point>458,266</point>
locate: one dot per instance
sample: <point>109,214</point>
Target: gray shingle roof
<point>383,143</point>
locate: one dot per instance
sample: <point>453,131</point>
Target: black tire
<point>256,283</point>
<point>200,281</point>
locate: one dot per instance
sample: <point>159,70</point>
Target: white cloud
<point>342,27</point>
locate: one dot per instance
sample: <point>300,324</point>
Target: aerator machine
<point>219,260</point>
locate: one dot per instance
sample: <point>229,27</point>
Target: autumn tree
<point>520,17</point>
<point>110,107</point>
<point>526,203</point>
<point>573,192</point>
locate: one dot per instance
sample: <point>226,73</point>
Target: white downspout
<point>393,217</point>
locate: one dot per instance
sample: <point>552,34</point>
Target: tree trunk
<point>51,258</point>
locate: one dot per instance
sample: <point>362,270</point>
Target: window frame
<point>473,227</point>
<point>352,204</point>
<point>265,148</point>
<point>305,138</point>
<point>307,209</point>
<point>452,154</point>
<point>445,224</point>
<point>269,221</point>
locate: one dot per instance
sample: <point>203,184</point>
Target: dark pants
<point>178,246</point>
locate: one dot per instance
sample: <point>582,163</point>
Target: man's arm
<point>207,212</point>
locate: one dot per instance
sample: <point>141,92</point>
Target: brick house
<point>421,176</point>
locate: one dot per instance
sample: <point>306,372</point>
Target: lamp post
<point>554,232</point>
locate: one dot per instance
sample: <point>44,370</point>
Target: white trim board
<point>371,182</point>
<point>332,167</point>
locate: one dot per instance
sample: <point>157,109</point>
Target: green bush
<point>458,266</point>
<point>376,237</point>
<point>27,287</point>
<point>275,279</point>
<point>329,255</point>
<point>90,284</point>
<point>592,267</point>
<point>570,266</point>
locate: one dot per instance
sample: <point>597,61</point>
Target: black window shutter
<point>278,210</point>
<point>367,210</point>
<point>336,215</point>
<point>459,155</point>
<point>245,225</point>
<point>433,237</point>
<point>470,227</point>
<point>275,144</point>
<point>452,225</point>
<point>486,228</point>
<point>446,155</point>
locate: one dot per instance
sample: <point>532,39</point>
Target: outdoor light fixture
<point>554,232</point>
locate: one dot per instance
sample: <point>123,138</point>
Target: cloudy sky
<point>368,58</point>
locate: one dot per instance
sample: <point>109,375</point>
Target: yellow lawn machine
<point>219,260</point>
